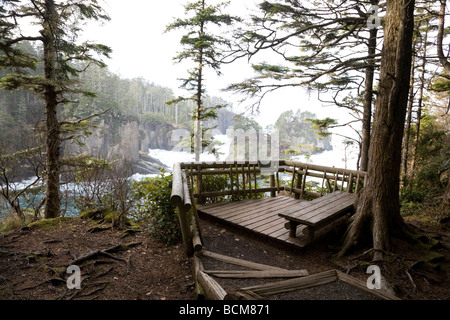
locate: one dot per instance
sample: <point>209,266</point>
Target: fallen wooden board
<point>317,279</point>
<point>213,290</point>
<point>198,266</point>
<point>292,284</point>
<point>239,262</point>
<point>383,294</point>
<point>257,274</point>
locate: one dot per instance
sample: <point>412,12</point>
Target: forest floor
<point>34,262</point>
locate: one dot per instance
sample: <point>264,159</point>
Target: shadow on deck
<point>259,216</point>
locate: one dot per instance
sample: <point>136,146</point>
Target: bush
<point>216,183</point>
<point>154,204</point>
<point>412,195</point>
<point>221,182</point>
<point>411,208</point>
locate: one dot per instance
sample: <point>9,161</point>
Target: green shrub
<point>411,208</point>
<point>216,183</point>
<point>154,205</point>
<point>221,182</point>
<point>412,195</point>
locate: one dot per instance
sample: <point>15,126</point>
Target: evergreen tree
<point>202,46</point>
<point>59,23</point>
<point>297,135</point>
<point>378,205</point>
<point>312,39</point>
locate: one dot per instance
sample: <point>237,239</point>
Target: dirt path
<point>34,261</point>
<point>33,265</point>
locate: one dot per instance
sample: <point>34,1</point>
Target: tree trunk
<point>407,130</point>
<point>53,141</point>
<point>418,122</point>
<point>442,58</point>
<point>446,64</point>
<point>197,118</point>
<point>446,197</point>
<point>198,111</point>
<point>419,108</point>
<point>379,202</point>
<point>368,98</point>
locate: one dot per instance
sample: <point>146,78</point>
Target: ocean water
<point>332,158</point>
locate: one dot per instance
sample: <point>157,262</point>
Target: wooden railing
<point>330,178</point>
<point>250,179</point>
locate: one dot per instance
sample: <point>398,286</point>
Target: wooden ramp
<point>259,216</point>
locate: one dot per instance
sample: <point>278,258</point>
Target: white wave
<point>332,158</point>
<point>170,157</point>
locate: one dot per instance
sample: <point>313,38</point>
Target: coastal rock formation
<point>128,141</point>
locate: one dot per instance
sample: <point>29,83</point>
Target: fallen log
<point>239,262</point>
<point>239,274</point>
<point>212,289</point>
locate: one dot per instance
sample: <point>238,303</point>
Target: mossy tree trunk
<point>379,204</point>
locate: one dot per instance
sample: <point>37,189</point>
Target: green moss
<point>101,215</point>
<point>51,271</point>
<point>35,256</point>
<point>111,216</point>
<point>49,223</point>
<point>93,214</point>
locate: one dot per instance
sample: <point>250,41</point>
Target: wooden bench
<point>319,212</point>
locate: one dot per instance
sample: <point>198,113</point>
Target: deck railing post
<point>304,182</point>
<point>298,184</point>
<point>177,199</point>
<point>350,183</point>
<point>201,199</point>
<point>273,193</point>
<point>323,180</point>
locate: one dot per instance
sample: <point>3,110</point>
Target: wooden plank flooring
<point>259,216</point>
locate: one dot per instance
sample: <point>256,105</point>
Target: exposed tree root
<point>105,272</point>
<point>98,229</point>
<point>107,253</point>
<point>96,253</point>
<point>414,287</point>
<point>52,241</point>
<point>122,247</point>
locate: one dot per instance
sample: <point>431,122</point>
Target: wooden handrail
<point>281,163</point>
<point>241,174</point>
<point>177,195</point>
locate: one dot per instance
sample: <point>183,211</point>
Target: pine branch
<point>74,123</point>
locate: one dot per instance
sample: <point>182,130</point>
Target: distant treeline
<point>125,99</point>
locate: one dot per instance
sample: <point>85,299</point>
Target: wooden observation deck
<point>248,195</point>
<point>277,204</point>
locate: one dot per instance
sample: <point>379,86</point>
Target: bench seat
<point>319,212</point>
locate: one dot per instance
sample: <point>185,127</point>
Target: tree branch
<point>84,119</point>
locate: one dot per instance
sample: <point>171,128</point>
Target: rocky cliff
<point>129,141</point>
